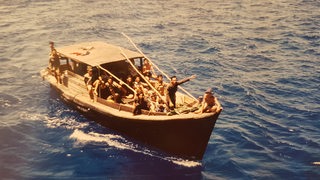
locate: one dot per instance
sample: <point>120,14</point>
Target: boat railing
<point>125,107</point>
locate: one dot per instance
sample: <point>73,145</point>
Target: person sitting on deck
<point>156,103</point>
<point>138,85</point>
<point>160,85</point>
<point>101,91</point>
<point>172,89</point>
<point>209,103</point>
<point>147,69</point>
<point>116,98</point>
<point>128,92</point>
<point>100,86</point>
<point>139,104</point>
<point>113,87</point>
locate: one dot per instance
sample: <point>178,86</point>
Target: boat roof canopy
<point>96,53</point>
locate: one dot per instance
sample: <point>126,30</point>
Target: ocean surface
<point>262,59</point>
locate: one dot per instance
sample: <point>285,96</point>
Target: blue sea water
<point>260,57</point>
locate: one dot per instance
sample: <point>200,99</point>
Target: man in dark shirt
<point>172,89</point>
<point>139,104</point>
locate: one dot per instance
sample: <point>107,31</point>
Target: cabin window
<point>79,68</point>
<point>138,63</point>
<point>120,69</point>
<point>64,64</point>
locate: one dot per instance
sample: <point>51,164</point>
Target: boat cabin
<point>77,58</point>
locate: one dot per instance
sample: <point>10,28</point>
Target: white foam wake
<point>54,122</point>
<point>67,122</point>
<point>121,143</point>
<point>110,139</point>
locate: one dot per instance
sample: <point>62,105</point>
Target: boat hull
<point>183,138</point>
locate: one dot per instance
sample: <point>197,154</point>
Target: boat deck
<point>73,89</point>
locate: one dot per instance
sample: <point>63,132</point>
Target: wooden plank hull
<point>185,137</point>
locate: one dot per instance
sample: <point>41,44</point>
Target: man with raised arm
<point>172,89</point>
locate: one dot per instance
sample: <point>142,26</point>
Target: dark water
<point>261,57</point>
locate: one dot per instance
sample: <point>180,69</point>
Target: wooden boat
<point>184,134</point>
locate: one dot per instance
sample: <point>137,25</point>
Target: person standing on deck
<point>54,62</point>
<point>172,89</point>
<point>89,81</point>
<point>51,44</point>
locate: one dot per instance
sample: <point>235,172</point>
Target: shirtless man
<point>114,87</point>
<point>54,63</point>
<point>147,69</point>
<point>210,103</point>
<point>160,85</point>
<point>88,80</point>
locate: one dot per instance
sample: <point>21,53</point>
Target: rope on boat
<point>185,91</point>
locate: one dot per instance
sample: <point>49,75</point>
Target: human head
<point>89,70</point>
<point>137,79</point>
<point>116,96</point>
<point>54,51</point>
<point>51,44</point>
<point>140,95</point>
<point>173,80</point>
<point>153,97</point>
<point>209,91</point>
<point>147,78</point>
<point>160,77</point>
<point>110,80</point>
<point>129,78</point>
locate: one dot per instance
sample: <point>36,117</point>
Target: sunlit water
<point>260,57</point>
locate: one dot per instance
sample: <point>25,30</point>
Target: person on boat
<point>128,92</point>
<point>88,80</point>
<point>172,89</point>
<point>101,91</point>
<point>55,64</point>
<point>138,85</point>
<point>113,87</point>
<point>209,103</point>
<point>51,45</point>
<point>152,98</point>
<point>156,104</point>
<point>100,86</point>
<point>116,98</point>
<point>147,69</point>
<point>161,106</point>
<point>160,85</point>
<point>139,104</point>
